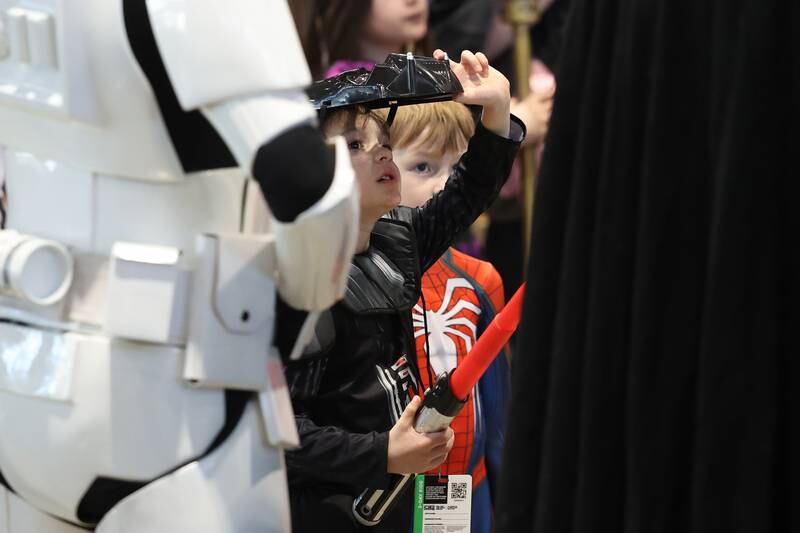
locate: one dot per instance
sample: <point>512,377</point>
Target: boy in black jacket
<point>351,396</point>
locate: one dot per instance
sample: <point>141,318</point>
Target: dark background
<point>656,385</point>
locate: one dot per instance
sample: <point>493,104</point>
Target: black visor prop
<point>402,79</point>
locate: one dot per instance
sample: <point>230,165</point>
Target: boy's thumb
<point>410,411</point>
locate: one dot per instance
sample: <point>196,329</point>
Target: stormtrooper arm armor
<point>264,117</point>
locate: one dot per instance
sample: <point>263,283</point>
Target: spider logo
<point>442,333</point>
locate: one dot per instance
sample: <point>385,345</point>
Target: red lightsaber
<point>489,344</point>
<point>444,401</point>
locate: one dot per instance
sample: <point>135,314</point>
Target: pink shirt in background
<point>343,65</point>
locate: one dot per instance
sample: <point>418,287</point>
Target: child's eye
<point>423,168</point>
<point>355,145</point>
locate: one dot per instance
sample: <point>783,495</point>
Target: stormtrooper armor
<point>140,263</point>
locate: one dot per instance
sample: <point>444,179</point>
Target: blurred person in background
<point>499,238</point>
<point>457,24</point>
<point>503,244</point>
<point>340,35</point>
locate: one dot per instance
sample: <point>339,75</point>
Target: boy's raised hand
<point>483,86</point>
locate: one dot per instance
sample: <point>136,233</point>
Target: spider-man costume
<point>461,296</point>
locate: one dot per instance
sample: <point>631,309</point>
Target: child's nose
<point>383,153</point>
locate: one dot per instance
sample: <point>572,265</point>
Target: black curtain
<point>656,388</point>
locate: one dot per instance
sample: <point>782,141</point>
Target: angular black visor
<point>402,79</point>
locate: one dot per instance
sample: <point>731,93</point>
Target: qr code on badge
<point>458,491</point>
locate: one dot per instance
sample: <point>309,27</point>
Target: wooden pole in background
<point>522,14</point>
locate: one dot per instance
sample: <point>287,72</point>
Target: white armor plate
<point>98,377</point>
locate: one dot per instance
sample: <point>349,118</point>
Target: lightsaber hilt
<point>442,403</point>
<point>439,408</point>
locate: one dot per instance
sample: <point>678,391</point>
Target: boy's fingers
<point>451,440</point>
<point>439,441</point>
<point>470,62</point>
<point>437,460</point>
<point>440,55</point>
<point>438,455</point>
<point>476,65</point>
<point>483,60</point>
<point>437,437</point>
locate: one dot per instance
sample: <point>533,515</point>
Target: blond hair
<point>441,127</point>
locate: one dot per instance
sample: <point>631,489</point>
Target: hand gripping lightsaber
<point>443,402</point>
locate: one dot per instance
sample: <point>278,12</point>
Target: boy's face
<point>422,172</point>
<point>371,157</point>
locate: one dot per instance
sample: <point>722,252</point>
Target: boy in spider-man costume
<point>460,295</point>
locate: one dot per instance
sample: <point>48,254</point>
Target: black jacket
<point>351,390</point>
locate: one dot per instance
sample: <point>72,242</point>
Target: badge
<point>442,503</point>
